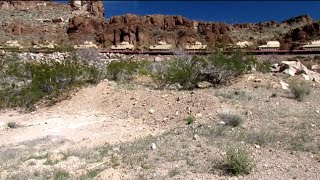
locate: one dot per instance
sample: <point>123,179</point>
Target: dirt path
<point>79,120</point>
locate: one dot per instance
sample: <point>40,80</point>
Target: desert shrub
<point>88,54</point>
<point>11,124</point>
<point>220,68</point>
<point>230,119</point>
<point>217,68</point>
<point>299,90</point>
<point>238,162</point>
<point>174,172</point>
<point>274,95</point>
<point>125,70</point>
<point>61,175</point>
<point>190,120</point>
<point>264,66</point>
<point>183,71</point>
<point>90,174</point>
<point>43,80</point>
<point>63,48</point>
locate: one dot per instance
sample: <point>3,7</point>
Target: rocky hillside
<point>38,21</point>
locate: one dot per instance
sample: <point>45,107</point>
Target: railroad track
<point>147,52</point>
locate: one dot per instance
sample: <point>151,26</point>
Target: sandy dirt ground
<point>121,118</point>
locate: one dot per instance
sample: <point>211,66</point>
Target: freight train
<point>198,46</point>
<point>271,47</point>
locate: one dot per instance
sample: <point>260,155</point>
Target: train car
<point>47,45</point>
<point>196,46</point>
<point>271,45</point>
<point>161,46</point>
<point>12,44</point>
<point>243,44</point>
<point>123,46</point>
<point>86,45</point>
<point>313,45</point>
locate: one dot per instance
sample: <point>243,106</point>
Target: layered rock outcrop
<point>145,30</point>
<point>59,22</point>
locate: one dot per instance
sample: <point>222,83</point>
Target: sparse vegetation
<point>299,90</point>
<point>61,175</point>
<point>174,172</point>
<point>190,120</point>
<point>125,70</point>
<point>90,174</point>
<point>238,161</point>
<point>236,95</point>
<point>35,81</point>
<point>216,69</point>
<point>274,95</point>
<point>115,161</point>
<point>263,67</point>
<point>231,119</point>
<point>12,125</point>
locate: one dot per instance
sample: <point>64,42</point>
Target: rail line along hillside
<point>163,48</point>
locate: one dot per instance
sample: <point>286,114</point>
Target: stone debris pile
<point>42,57</point>
<point>294,68</point>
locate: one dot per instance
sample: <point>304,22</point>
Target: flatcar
<point>271,45</point>
<point>313,45</point>
<point>123,46</point>
<point>196,46</point>
<point>86,45</point>
<point>12,44</point>
<point>161,46</point>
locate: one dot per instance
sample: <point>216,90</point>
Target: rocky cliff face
<point>145,30</point>
<point>54,21</point>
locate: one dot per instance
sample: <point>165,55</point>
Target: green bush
<point>221,68</point>
<point>264,66</point>
<point>125,70</point>
<point>217,68</point>
<point>43,80</point>
<point>11,125</point>
<point>299,90</point>
<point>61,175</point>
<point>190,120</point>
<point>183,71</point>
<point>238,162</point>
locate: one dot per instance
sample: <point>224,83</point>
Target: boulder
<point>297,68</point>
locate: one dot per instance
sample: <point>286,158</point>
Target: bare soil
<point>107,131</point>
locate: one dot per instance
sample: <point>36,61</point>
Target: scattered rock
<point>222,123</point>
<point>195,137</point>
<point>157,59</point>
<point>151,111</point>
<point>257,80</point>
<point>153,146</point>
<point>249,113</point>
<point>315,67</point>
<point>199,115</point>
<point>284,85</point>
<point>204,84</point>
<point>296,68</point>
<point>56,157</point>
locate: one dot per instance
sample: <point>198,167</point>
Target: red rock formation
<point>143,31</point>
<point>146,30</point>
